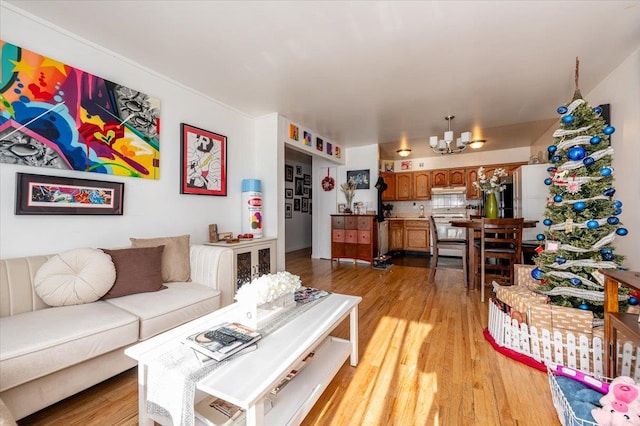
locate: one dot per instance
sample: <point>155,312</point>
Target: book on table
<point>218,412</point>
<point>223,340</point>
<point>293,373</point>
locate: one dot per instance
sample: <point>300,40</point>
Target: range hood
<point>449,190</point>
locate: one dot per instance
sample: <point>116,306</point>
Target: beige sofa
<point>49,353</point>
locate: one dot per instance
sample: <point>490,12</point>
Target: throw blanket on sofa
<point>172,375</point>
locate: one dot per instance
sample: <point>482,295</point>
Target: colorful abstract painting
<point>54,115</point>
<point>307,138</point>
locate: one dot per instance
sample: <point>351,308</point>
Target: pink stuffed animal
<point>621,406</point>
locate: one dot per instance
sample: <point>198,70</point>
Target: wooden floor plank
<point>423,359</point>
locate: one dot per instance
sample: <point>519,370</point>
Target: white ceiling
<point>363,72</point>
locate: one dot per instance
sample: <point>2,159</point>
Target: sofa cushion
<point>166,309</point>
<point>176,265</point>
<point>76,276</point>
<point>138,270</point>
<point>41,342</point>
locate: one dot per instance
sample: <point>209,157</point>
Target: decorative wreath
<point>328,183</point>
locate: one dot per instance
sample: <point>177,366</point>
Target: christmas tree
<point>581,213</point>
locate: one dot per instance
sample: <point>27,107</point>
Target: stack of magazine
<point>293,373</point>
<point>217,412</point>
<point>223,340</point>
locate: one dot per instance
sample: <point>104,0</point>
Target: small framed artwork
<point>342,207</point>
<point>293,132</point>
<point>307,138</point>
<point>299,186</point>
<point>288,173</point>
<point>329,148</point>
<point>298,170</point>
<point>319,144</point>
<point>305,205</point>
<point>389,166</point>
<point>296,205</point>
<point>360,177</point>
<point>338,152</point>
<point>307,180</point>
<point>288,193</point>
<point>288,211</point>
<point>203,162</point>
<point>55,195</point>
<point>405,165</point>
<point>305,191</point>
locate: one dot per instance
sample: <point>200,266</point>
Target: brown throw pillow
<point>176,264</point>
<point>138,270</point>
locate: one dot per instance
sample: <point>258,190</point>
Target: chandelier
<point>447,145</point>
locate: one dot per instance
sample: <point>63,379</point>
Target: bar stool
<point>446,244</point>
<point>500,242</point>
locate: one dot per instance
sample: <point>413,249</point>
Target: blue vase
<point>491,206</point>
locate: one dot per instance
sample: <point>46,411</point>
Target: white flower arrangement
<point>492,184</point>
<point>349,191</point>
<point>267,288</point>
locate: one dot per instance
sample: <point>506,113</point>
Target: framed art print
<point>360,177</point>
<point>203,162</point>
<point>288,173</point>
<point>299,186</point>
<point>288,193</point>
<point>55,195</point>
<point>288,211</point>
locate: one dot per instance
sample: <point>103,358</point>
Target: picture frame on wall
<point>288,173</point>
<point>305,205</point>
<point>307,180</point>
<point>56,195</point>
<point>305,191</point>
<point>203,162</point>
<point>298,170</point>
<point>296,205</point>
<point>360,177</point>
<point>288,193</point>
<point>341,207</point>
<point>299,186</point>
<point>288,211</point>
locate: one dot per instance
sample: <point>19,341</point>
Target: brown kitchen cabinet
<point>353,237</point>
<point>404,186</point>
<point>416,235</point>
<point>396,235</point>
<point>390,179</point>
<point>447,177</point>
<point>421,185</point>
<point>473,193</point>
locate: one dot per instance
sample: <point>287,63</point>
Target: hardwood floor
<point>423,359</point>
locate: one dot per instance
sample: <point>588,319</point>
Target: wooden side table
<point>615,320</point>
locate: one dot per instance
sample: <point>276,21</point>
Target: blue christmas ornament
<point>575,281</point>
<point>606,250</point>
<point>593,224</point>
<point>606,171</point>
<point>583,306</point>
<point>556,158</point>
<point>588,161</point>
<point>548,181</point>
<point>617,204</point>
<point>611,220</point>
<point>560,260</point>
<point>567,119</point>
<point>608,256</point>
<point>557,198</point>
<point>536,274</point>
<point>595,140</point>
<point>633,301</point>
<point>597,110</point>
<point>616,212</point>
<point>552,169</point>
<point>608,130</point>
<point>547,222</point>
<point>609,192</point>
<point>562,110</point>
<point>580,205</point>
<point>622,231</point>
<point>552,148</point>
<point>576,153</point>
<point>540,237</point>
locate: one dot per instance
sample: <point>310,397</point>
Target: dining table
<point>473,225</point>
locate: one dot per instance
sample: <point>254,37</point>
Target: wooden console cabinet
<point>251,258</point>
<point>615,321</point>
<point>354,237</point>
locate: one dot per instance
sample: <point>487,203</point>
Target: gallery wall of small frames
<point>297,192</point>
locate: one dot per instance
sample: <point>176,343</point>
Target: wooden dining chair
<point>446,244</point>
<point>500,248</point>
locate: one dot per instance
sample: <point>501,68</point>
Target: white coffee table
<point>247,379</point>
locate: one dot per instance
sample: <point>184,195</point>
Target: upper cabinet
<point>390,179</point>
<point>421,185</point>
<point>447,177</point>
<point>404,186</point>
<point>473,193</point>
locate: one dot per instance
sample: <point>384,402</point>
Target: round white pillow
<point>75,277</point>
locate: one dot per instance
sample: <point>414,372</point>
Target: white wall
<point>151,207</point>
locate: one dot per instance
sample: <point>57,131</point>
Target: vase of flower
<point>491,206</point>
<point>349,191</point>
